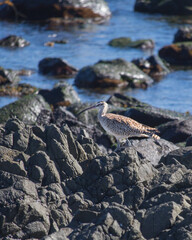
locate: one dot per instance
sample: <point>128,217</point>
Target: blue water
<point>88,44</point>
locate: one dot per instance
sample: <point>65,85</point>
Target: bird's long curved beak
<point>94,106</point>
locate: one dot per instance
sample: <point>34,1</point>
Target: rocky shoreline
<point>62,179</point>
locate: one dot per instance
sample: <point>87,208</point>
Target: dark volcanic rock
<point>123,42</point>
<point>183,34</point>
<point>112,73</point>
<point>26,109</point>
<point>35,10</point>
<point>56,67</point>
<point>56,184</point>
<point>164,7</point>
<point>153,66</point>
<point>178,54</point>
<point>177,130</point>
<point>13,41</point>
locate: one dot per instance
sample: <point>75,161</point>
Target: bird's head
<point>99,104</point>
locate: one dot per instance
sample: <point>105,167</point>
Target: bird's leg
<point>128,143</point>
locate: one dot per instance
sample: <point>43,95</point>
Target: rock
<point>34,10</point>
<point>189,141</point>
<point>153,116</point>
<point>123,42</point>
<point>17,90</point>
<point>159,218</point>
<point>153,66</point>
<point>8,77</point>
<point>112,73</point>
<point>63,94</point>
<point>153,150</point>
<point>182,155</point>
<point>183,34</point>
<point>13,41</point>
<point>176,131</point>
<point>165,7</point>
<point>178,54</point>
<point>60,235</point>
<point>56,67</point>
<point>26,109</point>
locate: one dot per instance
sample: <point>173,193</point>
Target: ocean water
<point>88,44</point>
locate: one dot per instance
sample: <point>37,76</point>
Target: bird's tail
<point>155,136</point>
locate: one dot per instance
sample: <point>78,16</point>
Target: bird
<point>119,126</point>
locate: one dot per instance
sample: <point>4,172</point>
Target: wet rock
<point>63,95</point>
<point>56,67</point>
<point>34,10</point>
<point>26,109</point>
<point>178,54</point>
<point>13,41</point>
<point>8,77</point>
<point>164,7</point>
<point>176,131</point>
<point>183,34</point>
<point>153,116</point>
<point>17,90</point>
<point>153,66</point>
<point>112,73</point>
<point>123,42</point>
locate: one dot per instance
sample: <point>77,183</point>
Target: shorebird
<point>119,126</point>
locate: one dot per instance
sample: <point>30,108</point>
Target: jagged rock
<point>123,42</point>
<point>13,41</point>
<point>56,67</point>
<point>165,7</point>
<point>112,73</point>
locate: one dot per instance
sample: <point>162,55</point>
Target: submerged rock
<point>165,7</point>
<point>178,54</point>
<point>112,73</point>
<point>18,90</point>
<point>56,67</point>
<point>35,10</point>
<point>123,42</point>
<point>14,41</point>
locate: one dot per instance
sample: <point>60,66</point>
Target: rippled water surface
<point>88,44</point>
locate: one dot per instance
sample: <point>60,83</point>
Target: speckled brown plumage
<point>120,126</point>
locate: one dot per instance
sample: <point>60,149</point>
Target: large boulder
<point>178,54</point>
<point>40,10</point>
<point>26,109</point>
<point>164,7</point>
<point>112,73</point>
